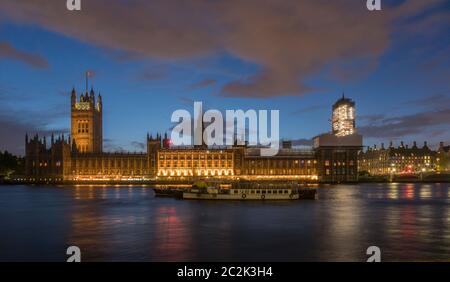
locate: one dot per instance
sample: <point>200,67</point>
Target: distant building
<point>80,156</point>
<point>343,118</point>
<point>443,158</point>
<point>337,152</point>
<point>397,160</point>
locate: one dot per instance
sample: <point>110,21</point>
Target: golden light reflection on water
<point>126,222</point>
<point>98,225</point>
<point>426,192</point>
<point>393,193</point>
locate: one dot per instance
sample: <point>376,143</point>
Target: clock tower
<point>86,122</point>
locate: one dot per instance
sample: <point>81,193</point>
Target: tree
<point>9,164</point>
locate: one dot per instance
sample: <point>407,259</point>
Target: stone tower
<point>86,122</point>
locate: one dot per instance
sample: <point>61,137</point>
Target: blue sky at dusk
<point>150,58</point>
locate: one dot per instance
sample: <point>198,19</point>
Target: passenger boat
<point>168,192</point>
<point>252,191</point>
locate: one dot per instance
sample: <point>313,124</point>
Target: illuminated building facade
<point>337,152</point>
<point>443,158</point>
<point>86,122</point>
<point>343,117</point>
<point>80,157</point>
<point>192,162</point>
<point>288,163</point>
<point>397,160</point>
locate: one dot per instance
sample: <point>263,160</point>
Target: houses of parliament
<point>79,157</point>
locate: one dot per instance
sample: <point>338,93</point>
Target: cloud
<point>437,101</point>
<point>10,52</point>
<point>151,74</point>
<point>372,118</point>
<point>310,109</point>
<point>109,145</point>
<point>14,124</point>
<point>13,130</point>
<point>417,123</point>
<point>288,41</point>
<point>138,145</point>
<point>202,84</point>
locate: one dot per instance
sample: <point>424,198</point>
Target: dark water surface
<point>407,221</point>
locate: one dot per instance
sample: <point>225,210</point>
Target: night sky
<point>150,58</point>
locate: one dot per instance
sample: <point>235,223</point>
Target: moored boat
<point>252,191</point>
<point>168,192</point>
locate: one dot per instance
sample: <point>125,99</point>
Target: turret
<point>73,97</point>
<point>99,102</point>
<point>92,96</point>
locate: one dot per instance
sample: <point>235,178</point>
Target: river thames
<point>408,222</point>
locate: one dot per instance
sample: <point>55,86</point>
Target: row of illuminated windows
<point>350,163</point>
<point>339,171</point>
<point>83,148</point>
<point>279,171</point>
<point>188,163</point>
<point>198,156</point>
<point>111,163</point>
<point>83,126</point>
<point>45,163</point>
<point>96,172</point>
<point>264,191</point>
<point>280,163</point>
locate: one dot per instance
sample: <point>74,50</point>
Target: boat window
<point>236,191</point>
<point>264,191</point>
<point>252,192</point>
<point>269,191</point>
<point>257,191</point>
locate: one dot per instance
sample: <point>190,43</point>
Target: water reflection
<point>126,223</point>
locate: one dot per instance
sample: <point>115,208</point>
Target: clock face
<point>82,106</point>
